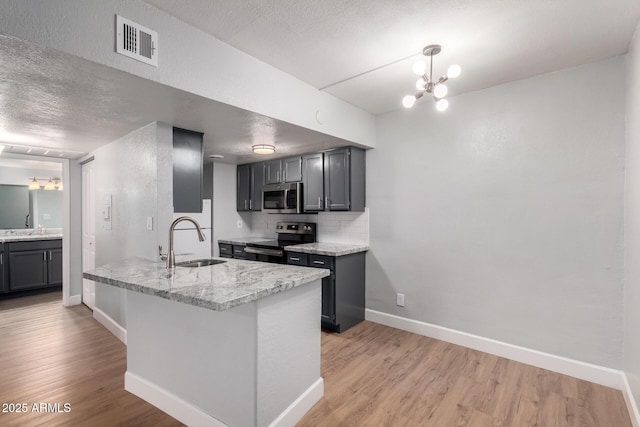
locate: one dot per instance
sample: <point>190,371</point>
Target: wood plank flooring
<point>374,376</point>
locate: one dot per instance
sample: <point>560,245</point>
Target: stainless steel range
<point>289,233</point>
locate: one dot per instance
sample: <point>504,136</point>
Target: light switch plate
<point>150,223</point>
<point>239,223</point>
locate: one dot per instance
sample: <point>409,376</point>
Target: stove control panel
<point>296,228</point>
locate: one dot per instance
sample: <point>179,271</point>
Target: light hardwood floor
<point>374,376</point>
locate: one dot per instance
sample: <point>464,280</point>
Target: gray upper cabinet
<point>313,182</point>
<point>292,169</point>
<point>187,170</point>
<point>273,172</point>
<point>249,187</point>
<point>332,180</point>
<point>243,187</point>
<point>337,179</point>
<point>256,184</point>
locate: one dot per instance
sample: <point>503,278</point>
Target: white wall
<point>215,70</point>
<point>136,170</point>
<point>632,222</point>
<point>503,216</point>
<point>225,217</point>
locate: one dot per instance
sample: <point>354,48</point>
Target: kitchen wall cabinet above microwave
<point>249,187</point>
<point>283,170</point>
<point>187,170</point>
<point>332,180</point>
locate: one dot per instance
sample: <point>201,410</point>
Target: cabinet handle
<point>326,202</point>
<point>294,259</point>
<point>319,262</point>
<point>44,255</point>
<point>245,204</point>
<point>50,256</point>
<point>250,204</point>
<point>1,259</point>
<point>319,202</point>
<point>278,176</point>
<point>284,175</point>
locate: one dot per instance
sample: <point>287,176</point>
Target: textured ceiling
<point>60,102</point>
<point>495,41</point>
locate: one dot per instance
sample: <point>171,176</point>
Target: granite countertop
<point>217,287</point>
<point>244,240</point>
<point>27,238</point>
<point>330,249</point>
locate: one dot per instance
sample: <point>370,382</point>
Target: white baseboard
<point>575,368</point>
<point>194,416</point>
<point>300,406</point>
<point>630,401</point>
<point>110,324</point>
<point>171,404</point>
<point>73,300</point>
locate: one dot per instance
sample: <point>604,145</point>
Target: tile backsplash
<point>334,227</point>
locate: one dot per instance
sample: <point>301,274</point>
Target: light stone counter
<point>329,249</point>
<point>244,240</point>
<point>217,287</point>
<point>29,238</point>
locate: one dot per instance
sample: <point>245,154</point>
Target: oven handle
<point>262,251</point>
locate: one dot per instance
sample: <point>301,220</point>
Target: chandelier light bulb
<point>454,71</point>
<point>442,105</point>
<point>420,84</point>
<point>440,91</point>
<point>419,67</point>
<point>408,101</point>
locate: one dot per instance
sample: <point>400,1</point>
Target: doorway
<point>88,232</point>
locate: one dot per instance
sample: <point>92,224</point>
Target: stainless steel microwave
<point>282,198</point>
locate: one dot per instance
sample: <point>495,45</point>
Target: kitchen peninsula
<point>236,343</point>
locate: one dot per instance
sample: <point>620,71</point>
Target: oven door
<point>282,198</point>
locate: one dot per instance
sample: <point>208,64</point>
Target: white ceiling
<point>495,41</point>
<point>69,106</point>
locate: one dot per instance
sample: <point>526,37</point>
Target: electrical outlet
<point>400,300</point>
<point>239,223</point>
<point>150,223</point>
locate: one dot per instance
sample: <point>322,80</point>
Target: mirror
<point>21,208</point>
<point>16,209</point>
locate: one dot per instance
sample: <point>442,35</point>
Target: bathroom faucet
<point>170,256</point>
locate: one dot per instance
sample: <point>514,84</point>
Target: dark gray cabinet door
<point>292,169</point>
<point>313,182</point>
<point>243,188</point>
<point>54,267</point>
<point>187,170</point>
<point>28,269</point>
<point>273,172</point>
<point>328,313</point>
<point>257,182</point>
<point>3,259</point>
<point>337,179</point>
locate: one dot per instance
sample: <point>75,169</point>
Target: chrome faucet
<point>170,256</point>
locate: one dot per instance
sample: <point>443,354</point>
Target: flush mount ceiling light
<point>263,149</point>
<point>426,83</point>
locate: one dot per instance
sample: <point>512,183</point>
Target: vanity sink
<point>199,263</point>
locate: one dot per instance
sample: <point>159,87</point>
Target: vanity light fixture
<point>426,83</point>
<point>52,184</point>
<point>263,149</point>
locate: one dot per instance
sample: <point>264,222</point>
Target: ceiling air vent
<point>135,41</point>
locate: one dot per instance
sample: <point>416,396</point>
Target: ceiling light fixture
<point>426,83</point>
<point>52,184</point>
<point>263,149</point>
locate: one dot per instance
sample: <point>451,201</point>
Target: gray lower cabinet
<point>226,250</point>
<point>343,292</point>
<point>34,264</point>
<point>3,269</point>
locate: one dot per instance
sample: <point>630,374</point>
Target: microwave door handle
<point>286,198</point>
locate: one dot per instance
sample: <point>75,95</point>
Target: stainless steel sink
<point>199,263</point>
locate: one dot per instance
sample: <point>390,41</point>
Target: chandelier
<point>426,82</point>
